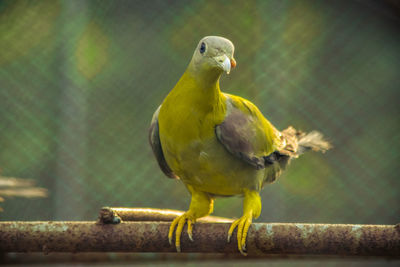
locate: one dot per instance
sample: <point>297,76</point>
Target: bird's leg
<point>251,209</point>
<point>201,205</point>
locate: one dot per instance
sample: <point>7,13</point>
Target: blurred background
<point>80,80</point>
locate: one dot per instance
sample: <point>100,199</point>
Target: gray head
<point>213,54</point>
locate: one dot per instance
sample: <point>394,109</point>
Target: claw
<point>172,228</point>
<point>190,229</point>
<point>245,231</point>
<point>232,228</point>
<point>243,225</point>
<point>180,222</point>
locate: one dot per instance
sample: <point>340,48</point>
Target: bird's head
<point>213,56</point>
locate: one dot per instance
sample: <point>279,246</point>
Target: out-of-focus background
<point>80,80</point>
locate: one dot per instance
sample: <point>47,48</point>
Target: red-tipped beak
<point>233,63</point>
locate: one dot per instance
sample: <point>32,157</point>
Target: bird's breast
<point>187,134</point>
<point>200,160</point>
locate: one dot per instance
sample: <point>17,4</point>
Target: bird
<point>218,144</point>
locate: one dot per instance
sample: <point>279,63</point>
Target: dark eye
<point>202,48</point>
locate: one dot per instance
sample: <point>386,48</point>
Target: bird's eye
<point>202,48</point>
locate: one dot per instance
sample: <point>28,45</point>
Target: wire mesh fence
<point>80,80</point>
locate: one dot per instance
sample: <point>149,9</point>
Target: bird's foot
<point>180,222</point>
<point>243,225</point>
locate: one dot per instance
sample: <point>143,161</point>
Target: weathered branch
<point>15,182</point>
<point>115,215</point>
<point>33,192</point>
<point>263,238</point>
<point>17,187</point>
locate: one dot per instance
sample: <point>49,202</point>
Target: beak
<point>233,63</point>
<point>225,63</point>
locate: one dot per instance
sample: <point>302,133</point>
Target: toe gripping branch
<point>251,209</point>
<point>179,222</point>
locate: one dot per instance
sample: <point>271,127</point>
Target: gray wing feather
<point>154,139</point>
<point>233,133</point>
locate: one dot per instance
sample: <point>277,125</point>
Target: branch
<point>15,182</point>
<point>17,187</point>
<point>263,238</point>
<point>33,192</point>
<point>116,215</point>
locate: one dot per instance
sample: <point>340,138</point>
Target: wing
<point>154,139</point>
<point>246,133</point>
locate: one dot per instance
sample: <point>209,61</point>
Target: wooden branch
<point>17,187</point>
<point>116,215</point>
<point>15,182</point>
<point>263,238</point>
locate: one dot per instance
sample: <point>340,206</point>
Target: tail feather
<point>294,143</point>
<point>312,141</point>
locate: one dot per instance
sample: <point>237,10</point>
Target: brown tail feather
<point>297,142</point>
<point>313,140</point>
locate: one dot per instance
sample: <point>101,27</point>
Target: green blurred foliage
<point>32,20</point>
<point>80,80</point>
<point>91,51</point>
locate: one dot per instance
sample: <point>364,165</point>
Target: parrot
<point>218,144</point>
